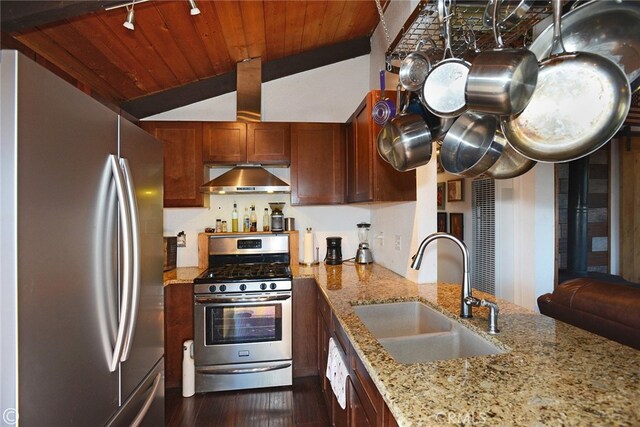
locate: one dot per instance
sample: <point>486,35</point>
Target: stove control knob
<point>263,286</point>
<point>272,285</point>
<point>243,287</point>
<point>223,288</point>
<point>212,288</point>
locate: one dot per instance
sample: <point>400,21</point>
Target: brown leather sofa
<point>608,309</point>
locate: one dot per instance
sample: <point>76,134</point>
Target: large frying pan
<point>608,28</point>
<point>580,102</point>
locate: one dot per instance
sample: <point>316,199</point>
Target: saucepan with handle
<point>384,109</point>
<point>405,141</point>
<point>580,102</point>
<point>501,81</point>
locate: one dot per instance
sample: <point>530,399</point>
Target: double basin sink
<point>413,332</point>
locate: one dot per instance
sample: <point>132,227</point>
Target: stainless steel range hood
<point>247,178</point>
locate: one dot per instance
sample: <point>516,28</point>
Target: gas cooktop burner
<point>235,272</point>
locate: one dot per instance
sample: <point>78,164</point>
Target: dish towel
<point>337,373</point>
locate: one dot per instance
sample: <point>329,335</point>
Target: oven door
<point>231,329</point>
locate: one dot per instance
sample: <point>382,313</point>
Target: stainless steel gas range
<point>242,314</point>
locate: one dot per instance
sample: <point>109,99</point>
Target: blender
<point>363,254</point>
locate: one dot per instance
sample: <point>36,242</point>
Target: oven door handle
<point>224,300</point>
<point>233,371</point>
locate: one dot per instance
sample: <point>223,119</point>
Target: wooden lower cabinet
<point>178,327</point>
<point>365,406</point>
<point>305,355</point>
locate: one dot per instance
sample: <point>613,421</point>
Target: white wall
<point>449,256</point>
<point>525,236</point>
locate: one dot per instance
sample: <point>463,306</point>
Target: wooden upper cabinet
<point>232,143</point>
<point>369,177</point>
<point>268,143</point>
<point>224,142</point>
<point>317,163</point>
<point>183,171</point>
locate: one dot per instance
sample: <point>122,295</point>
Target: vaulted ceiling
<point>173,58</point>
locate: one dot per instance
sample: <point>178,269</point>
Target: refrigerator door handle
<point>147,403</point>
<point>135,249</point>
<point>125,232</point>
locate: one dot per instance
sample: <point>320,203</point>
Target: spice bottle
<point>266,220</point>
<point>234,219</point>
<point>245,221</point>
<point>254,219</point>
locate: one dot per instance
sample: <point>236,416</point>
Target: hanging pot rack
<point>423,23</point>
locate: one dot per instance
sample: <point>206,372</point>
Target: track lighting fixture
<point>194,7</point>
<point>129,21</point>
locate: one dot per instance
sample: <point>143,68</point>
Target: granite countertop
<point>552,373</point>
<point>181,275</point>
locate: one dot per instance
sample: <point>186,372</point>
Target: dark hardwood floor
<point>299,405</point>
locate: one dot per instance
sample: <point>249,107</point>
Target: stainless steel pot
<point>415,67</point>
<point>607,28</point>
<point>405,141</point>
<point>470,148</point>
<point>580,102</point>
<point>443,89</point>
<point>501,81</point>
<point>510,164</point>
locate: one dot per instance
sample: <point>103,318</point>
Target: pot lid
<point>246,179</point>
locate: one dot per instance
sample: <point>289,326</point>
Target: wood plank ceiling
<point>170,49</point>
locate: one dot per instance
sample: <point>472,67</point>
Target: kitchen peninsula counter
<point>551,374</point>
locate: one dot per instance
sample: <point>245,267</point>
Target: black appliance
<point>334,251</point>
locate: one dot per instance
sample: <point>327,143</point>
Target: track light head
<point>130,20</point>
<point>194,7</point>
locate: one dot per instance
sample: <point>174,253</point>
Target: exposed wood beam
<point>219,85</point>
<point>25,14</point>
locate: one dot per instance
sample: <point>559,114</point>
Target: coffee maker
<point>363,254</point>
<point>334,251</point>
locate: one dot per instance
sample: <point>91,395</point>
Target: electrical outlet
<point>380,237</point>
<point>397,242</point>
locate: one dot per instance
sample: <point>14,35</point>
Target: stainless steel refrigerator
<point>81,318</point>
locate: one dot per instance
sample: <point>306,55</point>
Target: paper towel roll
<point>307,257</point>
<point>188,369</point>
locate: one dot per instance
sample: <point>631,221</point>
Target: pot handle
<point>496,27</point>
<point>382,74</point>
<point>557,29</point>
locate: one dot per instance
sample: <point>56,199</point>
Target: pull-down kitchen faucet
<point>465,308</point>
<point>466,299</point>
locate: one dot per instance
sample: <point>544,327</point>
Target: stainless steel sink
<point>413,332</point>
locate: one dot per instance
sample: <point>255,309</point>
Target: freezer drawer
<point>145,407</point>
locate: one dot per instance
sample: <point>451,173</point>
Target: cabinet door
<point>360,154</point>
<point>317,164</point>
<point>268,143</point>
<point>183,170</point>
<point>304,301</point>
<point>224,143</point>
<point>357,414</point>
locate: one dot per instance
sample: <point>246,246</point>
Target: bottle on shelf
<point>246,225</point>
<point>266,220</point>
<point>234,219</point>
<point>254,219</point>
